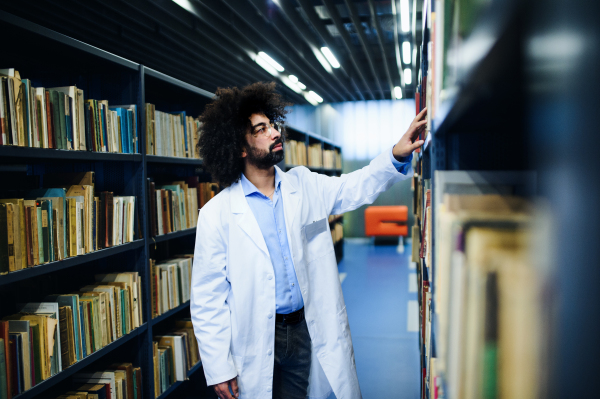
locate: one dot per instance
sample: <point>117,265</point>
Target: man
<point>267,303</point>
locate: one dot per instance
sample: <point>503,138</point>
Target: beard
<point>264,159</point>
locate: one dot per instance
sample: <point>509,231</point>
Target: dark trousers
<point>292,360</point>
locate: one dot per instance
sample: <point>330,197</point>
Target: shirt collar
<point>250,188</point>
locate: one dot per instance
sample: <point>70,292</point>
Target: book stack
<point>295,153</point>
<point>170,283</point>
<point>330,159</point>
<point>337,232</point>
<point>121,380</point>
<point>61,118</point>
<point>315,155</point>
<point>65,220</point>
<point>171,134</point>
<point>174,355</point>
<point>44,338</point>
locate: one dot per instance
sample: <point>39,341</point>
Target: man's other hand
<point>407,143</point>
<point>222,389</point>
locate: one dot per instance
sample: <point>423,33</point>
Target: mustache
<point>279,141</point>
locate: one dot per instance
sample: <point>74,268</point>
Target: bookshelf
<point>319,161</point>
<point>498,83</point>
<point>50,59</point>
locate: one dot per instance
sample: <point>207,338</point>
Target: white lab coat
<point>233,284</point>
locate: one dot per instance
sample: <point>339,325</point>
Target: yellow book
<point>20,243</point>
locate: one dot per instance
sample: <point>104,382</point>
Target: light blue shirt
<point>270,217</point>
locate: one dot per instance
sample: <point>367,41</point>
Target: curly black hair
<point>225,122</point>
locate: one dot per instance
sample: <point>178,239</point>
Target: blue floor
<point>376,291</point>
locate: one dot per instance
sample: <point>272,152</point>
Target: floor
<point>379,288</point>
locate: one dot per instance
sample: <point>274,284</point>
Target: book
<point>5,352</point>
<point>4,392</point>
<point>21,327</point>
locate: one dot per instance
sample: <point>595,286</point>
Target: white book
<point>81,120</point>
<point>40,93</point>
<point>180,369</point>
<point>115,221</point>
<point>164,281</point>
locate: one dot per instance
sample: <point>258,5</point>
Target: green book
<point>123,312</point>
<point>42,258</point>
<point>37,355</point>
<point>3,384</point>
<point>56,119</point>
<point>3,241</point>
<point>47,228</point>
<point>63,121</point>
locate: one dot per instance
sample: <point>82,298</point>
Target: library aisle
<point>379,294</point>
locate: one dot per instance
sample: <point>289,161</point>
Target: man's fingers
<point>416,145</point>
<point>417,129</point>
<point>421,114</point>
<point>234,388</point>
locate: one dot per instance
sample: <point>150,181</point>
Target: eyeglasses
<point>265,129</point>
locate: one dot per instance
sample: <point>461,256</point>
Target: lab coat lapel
<point>243,216</point>
<point>291,199</point>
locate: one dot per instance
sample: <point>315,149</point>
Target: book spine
<point>109,219</point>
<point>90,144</point>
<point>10,236</point>
<point>49,121</point>
<point>28,233</point>
<point>4,262</point>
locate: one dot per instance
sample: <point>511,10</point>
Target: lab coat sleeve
<point>361,187</point>
<point>208,304</point>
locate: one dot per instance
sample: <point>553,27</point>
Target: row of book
<point>295,153</point>
<point>44,338</point>
<point>171,134</point>
<point>315,155</point>
<point>67,219</point>
<point>174,354</point>
<point>332,159</point>
<point>337,232</point>
<point>120,381</point>
<point>170,283</point>
<point>174,206</point>
<point>61,118</point>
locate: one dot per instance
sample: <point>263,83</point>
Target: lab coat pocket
<point>317,242</point>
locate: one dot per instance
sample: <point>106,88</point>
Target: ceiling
<point>214,43</point>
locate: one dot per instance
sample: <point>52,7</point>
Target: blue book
<point>83,346</point>
<point>27,119</point>
<point>122,112</point>
<point>16,353</point>
<point>127,113</point>
<point>129,131</point>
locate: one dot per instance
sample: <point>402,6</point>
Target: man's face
<point>265,143</point>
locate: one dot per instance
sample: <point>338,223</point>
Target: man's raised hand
<point>407,143</point>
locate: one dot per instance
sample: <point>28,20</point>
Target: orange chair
<point>386,221</point>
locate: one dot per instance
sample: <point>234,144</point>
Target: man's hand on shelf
<point>407,143</point>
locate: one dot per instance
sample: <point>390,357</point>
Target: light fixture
<point>271,61</point>
<point>293,78</point>
<point>290,83</point>
<point>266,66</point>
<point>310,99</point>
<point>330,57</point>
<point>322,60</point>
<point>407,76</point>
<point>185,4</point>
<point>398,92</point>
<point>406,52</point>
<point>404,16</point>
<point>301,85</point>
<point>314,95</point>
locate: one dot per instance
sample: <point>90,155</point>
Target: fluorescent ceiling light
<point>293,78</point>
<point>301,85</point>
<point>266,66</point>
<point>406,52</point>
<point>314,95</point>
<point>330,57</point>
<point>398,92</point>
<point>289,83</point>
<point>404,16</point>
<point>271,61</point>
<point>322,60</point>
<point>407,76</point>
<point>185,4</point>
<point>310,99</point>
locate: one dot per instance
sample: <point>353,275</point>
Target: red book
<point>51,143</point>
<point>4,336</point>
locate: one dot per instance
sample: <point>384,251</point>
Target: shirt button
<point>270,315</point>
<point>286,258</point>
<point>293,285</point>
<point>270,352</point>
<point>270,277</point>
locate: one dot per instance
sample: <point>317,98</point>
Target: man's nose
<point>275,134</point>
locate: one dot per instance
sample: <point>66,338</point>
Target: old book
<point>19,228</point>
<point>34,230</point>
<point>129,381</point>
<point>45,207</point>
<point>4,258</point>
<point>57,196</point>
<point>29,236</point>
<point>10,234</point>
<point>109,217</point>
<point>4,392</point>
<point>152,199</point>
<point>72,226</point>
<point>71,303</point>
<point>6,359</point>
<point>66,335</point>
<point>137,376</point>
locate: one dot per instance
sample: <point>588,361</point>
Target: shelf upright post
<point>146,340</point>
